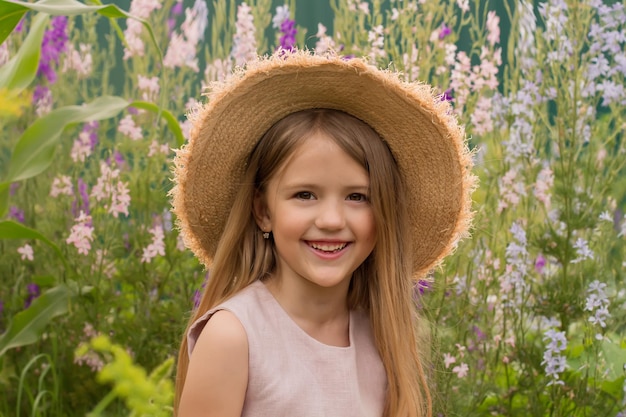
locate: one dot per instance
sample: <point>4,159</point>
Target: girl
<point>317,190</point>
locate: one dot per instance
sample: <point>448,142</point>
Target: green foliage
<point>27,326</point>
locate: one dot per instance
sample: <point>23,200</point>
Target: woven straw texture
<point>423,135</point>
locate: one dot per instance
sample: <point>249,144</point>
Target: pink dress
<point>292,374</point>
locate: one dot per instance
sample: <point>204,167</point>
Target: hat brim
<point>420,130</point>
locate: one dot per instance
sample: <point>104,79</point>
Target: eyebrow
<point>308,186</point>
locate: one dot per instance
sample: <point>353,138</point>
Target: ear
<point>261,213</point>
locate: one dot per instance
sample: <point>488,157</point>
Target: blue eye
<point>357,197</point>
<point>305,195</point>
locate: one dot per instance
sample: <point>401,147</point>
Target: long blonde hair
<point>382,285</point>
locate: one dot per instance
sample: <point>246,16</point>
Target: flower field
<point>526,318</point>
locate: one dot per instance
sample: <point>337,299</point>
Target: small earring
<point>266,235</point>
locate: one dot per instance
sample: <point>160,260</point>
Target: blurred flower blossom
<point>42,99</point>
<point>282,14</point>
<point>16,214</point>
<point>149,87</point>
<point>61,185</point>
<point>288,38</point>
<point>463,5</point>
<point>597,302</point>
<point>134,28</point>
<point>86,142</point>
<point>324,43</point>
<point>543,185</point>
<point>53,44</point>
<point>79,61</point>
<point>244,41</point>
<point>553,361</point>
<point>376,39</point>
<point>448,360</point>
<point>26,252</point>
<point>128,127</point>
<point>112,190</point>
<point>444,31</point>
<point>33,291</point>
<point>461,370</point>
<point>156,148</point>
<point>181,50</point>
<point>493,28</point>
<point>582,251</point>
<point>81,203</point>
<point>156,247</point>
<point>81,234</point>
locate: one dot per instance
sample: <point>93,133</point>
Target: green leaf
<point>4,198</point>
<point>20,71</point>
<point>67,8</point>
<point>28,325</point>
<point>34,151</point>
<point>10,16</point>
<point>172,122</point>
<point>12,230</point>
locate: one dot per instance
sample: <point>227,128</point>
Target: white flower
<point>582,250</point>
<point>282,14</point>
<point>26,252</point>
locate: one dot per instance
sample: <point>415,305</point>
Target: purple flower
<point>33,292</point>
<point>20,26</point>
<point>16,214</point>
<point>479,333</point>
<point>447,95</point>
<point>81,203</point>
<point>54,42</point>
<point>445,31</point>
<point>13,188</point>
<point>540,262</point>
<point>92,129</point>
<point>196,299</point>
<point>41,91</point>
<point>288,39</point>
<point>177,9</point>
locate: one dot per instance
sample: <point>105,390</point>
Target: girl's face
<point>317,208</point>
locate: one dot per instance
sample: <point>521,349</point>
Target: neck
<point>321,312</point>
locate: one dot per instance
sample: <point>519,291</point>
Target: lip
<point>328,255</point>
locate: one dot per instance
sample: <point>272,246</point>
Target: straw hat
<point>419,128</point>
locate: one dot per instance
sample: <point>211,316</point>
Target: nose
<point>331,215</point>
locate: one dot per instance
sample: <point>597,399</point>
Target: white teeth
<point>328,248</point>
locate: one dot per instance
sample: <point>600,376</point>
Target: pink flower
<point>80,62</point>
<point>61,185</point>
<point>461,370</point>
<point>127,127</point>
<point>493,28</point>
<point>141,9</point>
<point>81,234</point>
<point>448,360</point>
<point>463,5</point>
<point>156,247</point>
<point>26,252</point>
<point>112,190</point>
<point>244,41</point>
<point>155,149</point>
<point>481,117</point>
<point>81,148</point>
<point>149,87</point>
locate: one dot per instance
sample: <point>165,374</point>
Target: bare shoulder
<point>217,376</point>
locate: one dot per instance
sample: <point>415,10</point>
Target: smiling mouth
<point>327,247</point>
